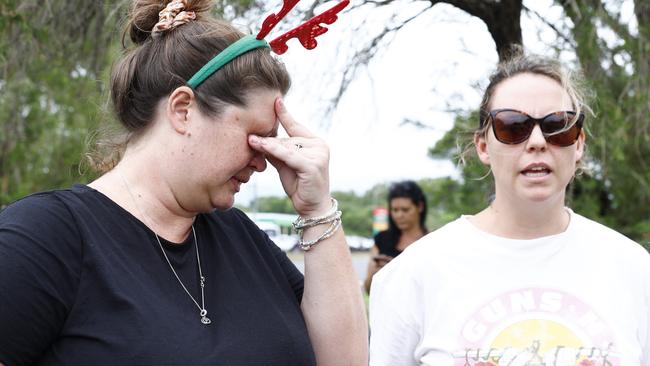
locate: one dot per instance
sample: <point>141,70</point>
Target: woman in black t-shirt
<point>149,264</point>
<point>407,206</point>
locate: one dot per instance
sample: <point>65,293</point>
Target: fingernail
<point>281,103</point>
<point>255,140</point>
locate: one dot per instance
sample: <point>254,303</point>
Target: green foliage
<point>357,213</point>
<point>357,210</point>
<point>55,61</point>
<point>273,204</point>
<point>49,94</point>
<point>470,193</point>
<point>618,193</point>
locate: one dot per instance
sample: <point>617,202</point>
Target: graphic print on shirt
<point>536,326</point>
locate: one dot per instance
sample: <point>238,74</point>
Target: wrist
<point>324,208</point>
<point>332,217</point>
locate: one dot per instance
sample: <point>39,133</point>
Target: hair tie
<point>172,16</point>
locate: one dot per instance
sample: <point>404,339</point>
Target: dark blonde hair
<point>153,67</point>
<point>572,82</point>
<point>520,63</point>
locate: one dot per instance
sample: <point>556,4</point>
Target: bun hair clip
<point>306,33</point>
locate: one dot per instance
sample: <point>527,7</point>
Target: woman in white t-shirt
<point>526,281</point>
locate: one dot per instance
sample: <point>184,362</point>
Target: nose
<point>258,162</point>
<point>536,141</point>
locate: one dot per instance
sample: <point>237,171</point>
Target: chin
<point>223,203</point>
<point>540,196</point>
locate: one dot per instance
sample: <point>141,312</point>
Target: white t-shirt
<point>461,296</point>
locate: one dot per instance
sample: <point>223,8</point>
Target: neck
<point>534,220</point>
<point>138,185</point>
<point>412,232</point>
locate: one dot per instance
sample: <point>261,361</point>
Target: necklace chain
<point>202,311</point>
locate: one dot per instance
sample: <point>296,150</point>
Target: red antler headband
<point>306,34</point>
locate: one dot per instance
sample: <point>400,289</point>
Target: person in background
<point>407,207</point>
<point>149,264</point>
<point>525,281</point>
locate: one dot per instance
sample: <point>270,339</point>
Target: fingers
<point>293,128</point>
<point>290,150</point>
<point>275,148</point>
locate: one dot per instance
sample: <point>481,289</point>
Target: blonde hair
<point>571,81</point>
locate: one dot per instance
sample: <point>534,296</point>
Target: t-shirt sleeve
<point>40,261</point>
<point>393,312</point>
<point>294,276</point>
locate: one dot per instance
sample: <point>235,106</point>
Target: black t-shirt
<point>83,282</point>
<point>387,243</point>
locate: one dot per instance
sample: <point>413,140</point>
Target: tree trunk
<point>502,18</point>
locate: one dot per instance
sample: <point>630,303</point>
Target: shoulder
<point>418,256</point>
<point>37,211</point>
<point>43,222</point>
<point>605,239</point>
<point>238,227</point>
<point>233,218</point>
<point>382,235</point>
<point>384,239</point>
<point>451,236</point>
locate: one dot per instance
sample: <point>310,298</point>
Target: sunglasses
<point>514,127</point>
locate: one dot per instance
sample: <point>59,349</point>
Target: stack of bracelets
<point>333,217</point>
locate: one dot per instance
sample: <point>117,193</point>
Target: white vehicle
<point>359,243</point>
<point>285,242</point>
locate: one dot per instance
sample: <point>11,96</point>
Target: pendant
<point>204,319</point>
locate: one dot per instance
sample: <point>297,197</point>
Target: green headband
<point>236,49</point>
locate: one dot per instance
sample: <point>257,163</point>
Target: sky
<point>433,65</point>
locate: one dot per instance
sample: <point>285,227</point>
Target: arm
<point>40,262</point>
<point>332,303</point>
<point>377,261</point>
<point>373,267</point>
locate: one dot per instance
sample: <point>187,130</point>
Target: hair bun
<point>145,14</point>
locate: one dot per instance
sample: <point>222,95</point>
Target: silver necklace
<point>202,311</point>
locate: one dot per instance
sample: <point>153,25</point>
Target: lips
<point>535,170</point>
<point>238,180</point>
<point>242,179</point>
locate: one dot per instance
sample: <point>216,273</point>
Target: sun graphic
<point>548,334</point>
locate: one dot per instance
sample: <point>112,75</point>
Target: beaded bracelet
<point>306,245</point>
<point>333,217</point>
<point>302,223</point>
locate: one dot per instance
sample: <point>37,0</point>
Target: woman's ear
<point>178,108</point>
<point>580,148</point>
<point>480,142</point>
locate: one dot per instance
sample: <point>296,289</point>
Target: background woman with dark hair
<point>407,208</point>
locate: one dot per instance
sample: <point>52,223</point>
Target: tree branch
<point>551,25</point>
<point>363,56</point>
<point>502,18</point>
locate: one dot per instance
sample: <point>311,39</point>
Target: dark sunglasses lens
<point>512,127</point>
<point>555,129</point>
